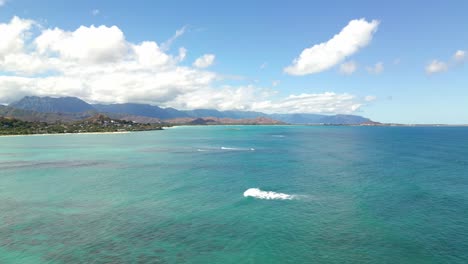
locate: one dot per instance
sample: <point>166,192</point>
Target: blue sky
<point>252,44</point>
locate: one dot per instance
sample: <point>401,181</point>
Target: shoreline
<point>65,134</point>
<point>184,125</point>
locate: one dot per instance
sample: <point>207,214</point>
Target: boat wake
<point>205,149</point>
<point>278,136</point>
<point>268,195</point>
<point>238,149</point>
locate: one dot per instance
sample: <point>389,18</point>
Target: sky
<point>394,62</point>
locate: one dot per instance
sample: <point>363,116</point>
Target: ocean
<point>237,194</point>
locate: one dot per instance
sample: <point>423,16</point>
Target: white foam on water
<point>225,148</point>
<point>268,195</point>
<point>237,149</point>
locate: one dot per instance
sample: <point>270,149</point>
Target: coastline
<point>234,125</point>
<point>65,134</point>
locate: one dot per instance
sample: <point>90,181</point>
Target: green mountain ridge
<point>50,109</point>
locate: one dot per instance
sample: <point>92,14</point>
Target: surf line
<point>268,195</point>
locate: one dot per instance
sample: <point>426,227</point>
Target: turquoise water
<point>339,195</point>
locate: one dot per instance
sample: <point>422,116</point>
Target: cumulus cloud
<point>436,66</point>
<point>459,55</point>
<point>86,44</point>
<point>98,64</point>
<point>204,61</point>
<point>320,57</point>
<point>13,35</point>
<point>348,68</point>
<point>378,68</point>
<point>255,99</point>
<point>328,102</point>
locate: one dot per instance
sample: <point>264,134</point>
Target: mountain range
<point>50,109</point>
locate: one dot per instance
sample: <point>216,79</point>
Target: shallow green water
<point>343,195</point>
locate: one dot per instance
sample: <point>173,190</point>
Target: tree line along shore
<point>95,124</point>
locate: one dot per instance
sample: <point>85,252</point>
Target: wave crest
<point>238,149</point>
<point>267,195</point>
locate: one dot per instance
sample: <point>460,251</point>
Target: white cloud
<point>98,64</point>
<point>459,55</point>
<point>370,98</point>
<point>256,99</point>
<point>149,54</point>
<point>95,12</point>
<point>436,66</point>
<point>168,43</point>
<point>311,103</point>
<point>320,57</point>
<point>204,61</point>
<point>14,35</point>
<point>86,44</point>
<point>348,68</point>
<point>378,68</point>
<point>182,54</point>
<point>224,98</point>
<point>275,83</point>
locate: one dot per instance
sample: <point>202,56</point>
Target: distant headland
<point>46,109</point>
<point>46,115</point>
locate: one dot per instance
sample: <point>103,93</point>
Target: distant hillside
<point>225,121</point>
<point>299,118</point>
<point>53,105</point>
<point>33,116</point>
<point>97,123</point>
<point>48,109</point>
<point>141,110</point>
<point>345,119</point>
<point>171,113</point>
<point>224,114</point>
<point>320,119</point>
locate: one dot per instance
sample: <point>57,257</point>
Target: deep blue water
<point>339,195</point>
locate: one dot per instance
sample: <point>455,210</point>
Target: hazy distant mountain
<point>53,105</point>
<point>345,119</point>
<point>171,113</point>
<point>140,110</point>
<point>298,118</point>
<point>72,108</point>
<point>225,121</point>
<point>174,113</point>
<point>320,119</point>
<point>223,114</point>
<point>33,116</point>
<point>236,114</point>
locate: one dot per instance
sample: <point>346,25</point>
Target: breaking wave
<point>278,136</point>
<point>238,149</point>
<point>268,195</point>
